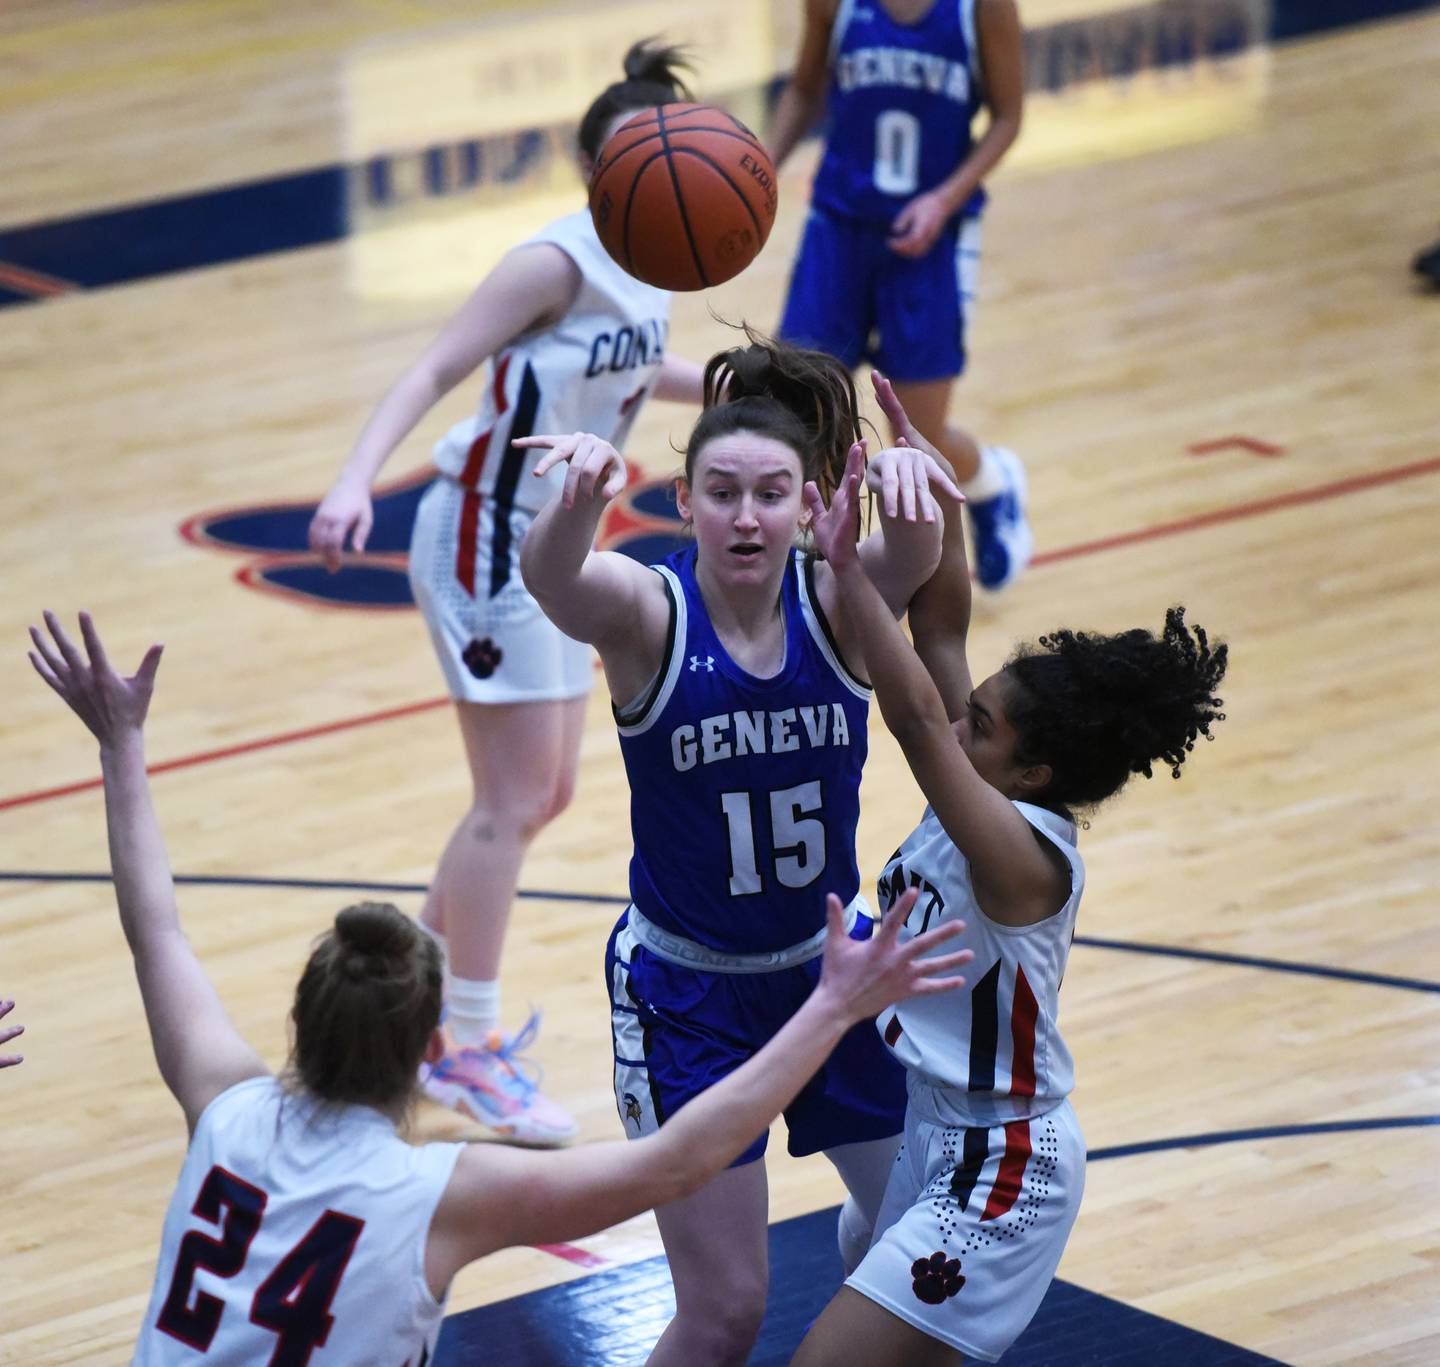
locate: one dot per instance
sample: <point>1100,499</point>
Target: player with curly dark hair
<point>1100,708</point>
<point>988,1182</point>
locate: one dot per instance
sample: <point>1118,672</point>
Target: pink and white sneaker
<point>500,1089</point>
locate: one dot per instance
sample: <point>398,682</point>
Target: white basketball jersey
<point>296,1235</point>
<point>993,1045</point>
<point>590,372</point>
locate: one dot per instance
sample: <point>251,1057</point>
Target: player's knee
<point>518,812</point>
<point>561,794</point>
<point>727,1329</point>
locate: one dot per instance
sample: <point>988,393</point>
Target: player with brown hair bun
<point>301,1219</point>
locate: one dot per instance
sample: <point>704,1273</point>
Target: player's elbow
<point>532,570</point>
<point>809,88</point>
<point>1006,122</point>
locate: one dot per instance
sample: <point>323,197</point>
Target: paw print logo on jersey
<point>482,658</point>
<point>937,1278</point>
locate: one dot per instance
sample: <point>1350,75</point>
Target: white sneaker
<point>1000,528</point>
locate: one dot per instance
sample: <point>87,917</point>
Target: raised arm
<point>1015,879</point>
<point>532,286</point>
<point>940,609</point>
<point>608,600</point>
<point>500,1197</point>
<point>905,551</point>
<point>199,1051</point>
<point>803,97</point>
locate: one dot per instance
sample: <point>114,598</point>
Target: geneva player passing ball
<point>683,196</point>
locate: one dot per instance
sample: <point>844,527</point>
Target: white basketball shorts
<point>494,643</point>
<point>973,1224</point>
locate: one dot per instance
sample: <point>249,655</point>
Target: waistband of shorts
<point>940,1104</point>
<point>676,949</point>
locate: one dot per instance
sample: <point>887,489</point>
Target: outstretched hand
<point>866,976</point>
<point>108,703</point>
<point>597,469</point>
<point>8,1033</point>
<point>906,434</point>
<point>902,476</point>
<point>835,528</point>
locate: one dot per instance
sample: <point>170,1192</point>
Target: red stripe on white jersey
<point>479,448</point>
<point>1006,1190</point>
<point>470,478</point>
<point>465,549</point>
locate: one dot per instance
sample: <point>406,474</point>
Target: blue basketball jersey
<point>745,792</point>
<point>902,99</point>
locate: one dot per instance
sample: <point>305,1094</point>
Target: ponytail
<point>804,399</point>
<point>651,78</point>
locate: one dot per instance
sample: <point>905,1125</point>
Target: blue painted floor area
<point>612,1318</point>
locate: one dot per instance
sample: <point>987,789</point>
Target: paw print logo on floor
<point>274,539</point>
<point>937,1278</point>
<point>482,658</point>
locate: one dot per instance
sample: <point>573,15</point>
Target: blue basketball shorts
<point>853,297</point>
<point>678,1031</point>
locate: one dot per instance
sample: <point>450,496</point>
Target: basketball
<point>683,196</point>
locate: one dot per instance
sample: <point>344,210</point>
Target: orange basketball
<point>683,196</point>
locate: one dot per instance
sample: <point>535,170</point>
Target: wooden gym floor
<point>1198,330</point>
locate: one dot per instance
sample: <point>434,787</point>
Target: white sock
<point>988,480</point>
<point>474,1010</point>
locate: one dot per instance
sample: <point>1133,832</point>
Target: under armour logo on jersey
<point>708,663</point>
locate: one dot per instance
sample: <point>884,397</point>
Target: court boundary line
<point>230,751</point>
<point>1234,513</point>
<point>1209,1138</point>
<point>1239,512</point>
<point>583,1257</point>
<point>1214,956</point>
<point>1206,1139</point>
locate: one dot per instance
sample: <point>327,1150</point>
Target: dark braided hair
<point>1097,709</point>
<point>804,399</point>
<point>651,79</point>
